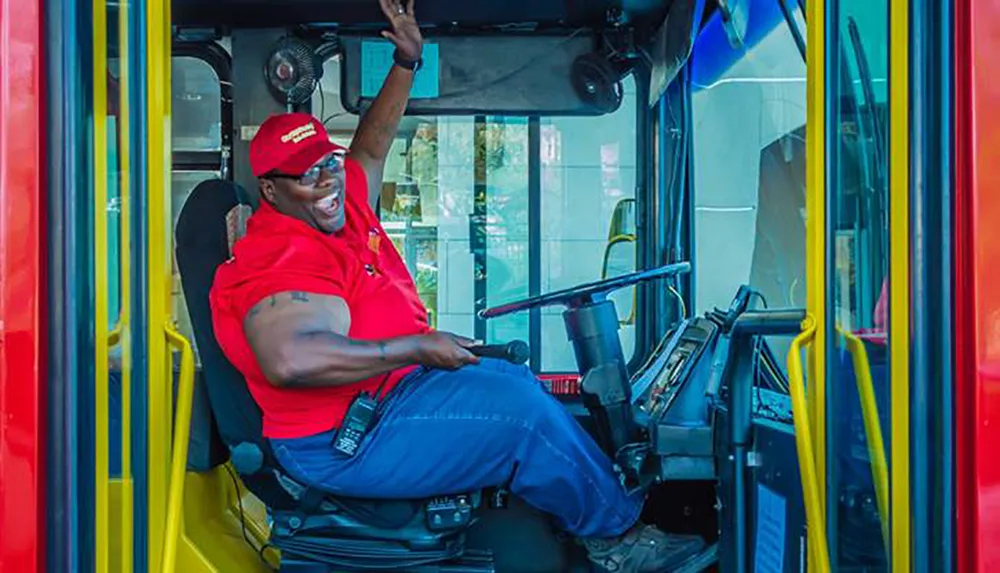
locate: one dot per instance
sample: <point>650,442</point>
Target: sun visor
<point>672,43</point>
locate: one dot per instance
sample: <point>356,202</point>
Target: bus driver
<point>316,306</point>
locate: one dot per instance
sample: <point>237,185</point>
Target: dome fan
<point>597,82</point>
<point>292,72</point>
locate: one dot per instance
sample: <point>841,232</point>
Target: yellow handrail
<point>181,437</point>
<point>604,267</point>
<point>815,523</point>
<point>873,430</point>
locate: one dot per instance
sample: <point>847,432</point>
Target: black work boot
<point>643,549</point>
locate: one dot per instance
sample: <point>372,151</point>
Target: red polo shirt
<point>359,264</point>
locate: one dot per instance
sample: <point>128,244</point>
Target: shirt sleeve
<point>289,264</point>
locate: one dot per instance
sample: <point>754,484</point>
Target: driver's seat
<point>315,532</point>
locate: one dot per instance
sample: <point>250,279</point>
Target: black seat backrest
<point>202,244</point>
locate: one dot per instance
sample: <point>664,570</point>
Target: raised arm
<point>379,125</point>
<point>300,340</point>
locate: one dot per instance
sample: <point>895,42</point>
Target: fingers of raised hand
<point>393,9</point>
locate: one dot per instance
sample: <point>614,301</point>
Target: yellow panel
<point>114,534</point>
<point>899,278</point>
<point>816,229</point>
<point>101,400</point>
<point>213,533</point>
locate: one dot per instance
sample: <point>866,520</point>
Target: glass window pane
<point>117,280</point>
<point>588,169</point>
<point>860,244</point>
<point>196,122</point>
<point>502,150</point>
<point>749,175</point>
<point>455,201</point>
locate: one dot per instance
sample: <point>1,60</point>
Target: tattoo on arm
<point>272,301</point>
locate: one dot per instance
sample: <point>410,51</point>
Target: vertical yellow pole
<point>160,376</point>
<point>816,229</point>
<point>124,186</point>
<point>101,400</point>
<point>899,278</point>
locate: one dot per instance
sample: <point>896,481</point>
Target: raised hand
<point>405,33</point>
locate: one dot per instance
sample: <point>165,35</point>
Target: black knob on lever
<point>515,351</point>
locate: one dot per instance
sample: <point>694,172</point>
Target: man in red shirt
<point>316,307</point>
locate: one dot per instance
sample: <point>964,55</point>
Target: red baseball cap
<point>289,143</point>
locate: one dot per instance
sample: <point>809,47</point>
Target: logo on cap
<point>299,133</point>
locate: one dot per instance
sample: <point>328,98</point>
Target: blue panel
<point>376,60</point>
<point>69,487</point>
<point>713,54</point>
<point>138,92</point>
<point>769,554</point>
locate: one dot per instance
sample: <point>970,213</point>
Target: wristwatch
<point>405,63</point>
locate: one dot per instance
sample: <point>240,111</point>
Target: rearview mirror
<point>620,259</point>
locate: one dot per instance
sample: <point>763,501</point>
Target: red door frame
<point>22,290</point>
<point>977,276</point>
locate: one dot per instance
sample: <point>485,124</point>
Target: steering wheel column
<point>592,328</point>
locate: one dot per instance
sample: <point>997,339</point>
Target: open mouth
<point>329,206</point>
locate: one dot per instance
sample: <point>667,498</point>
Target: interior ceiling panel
<point>264,13</point>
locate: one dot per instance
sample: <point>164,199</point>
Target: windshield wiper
<point>793,27</point>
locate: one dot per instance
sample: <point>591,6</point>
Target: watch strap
<point>405,63</point>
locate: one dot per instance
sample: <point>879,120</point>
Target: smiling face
<point>315,197</point>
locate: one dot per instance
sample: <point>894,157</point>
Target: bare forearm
<point>323,358</point>
<point>379,125</point>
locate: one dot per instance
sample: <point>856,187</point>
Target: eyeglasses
<point>333,165</point>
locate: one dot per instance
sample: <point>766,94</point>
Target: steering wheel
<point>587,293</point>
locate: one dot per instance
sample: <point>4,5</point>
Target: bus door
<point>119,321</point>
<point>143,364</point>
<point>857,241</point>
<point>878,283</point>
<point>806,145</point>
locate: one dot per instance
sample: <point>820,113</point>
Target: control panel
<point>661,383</point>
<point>671,403</point>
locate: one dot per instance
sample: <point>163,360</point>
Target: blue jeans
<point>445,432</point>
